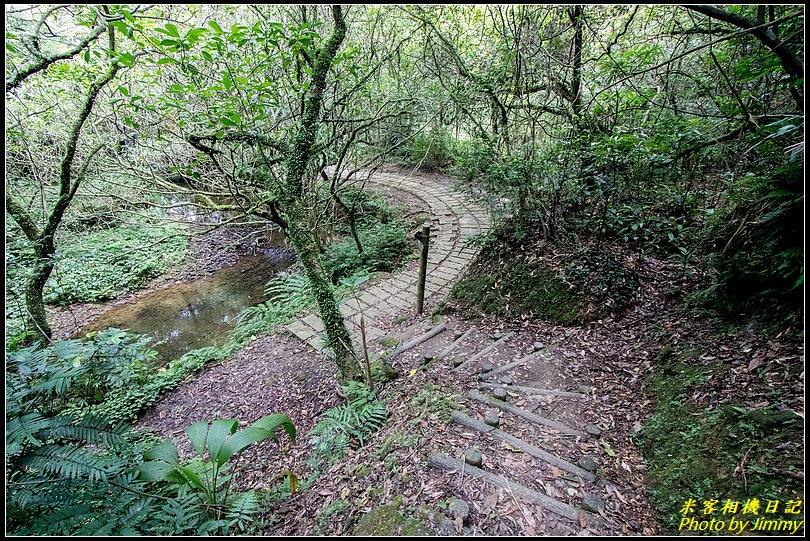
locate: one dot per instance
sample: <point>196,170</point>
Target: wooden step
<point>454,345</point>
<point>485,350</point>
<point>534,390</point>
<point>444,462</point>
<point>529,416</point>
<point>465,420</point>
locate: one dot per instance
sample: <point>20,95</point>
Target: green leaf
<point>273,422</point>
<point>192,476</point>
<point>608,449</point>
<point>165,451</point>
<point>126,59</point>
<point>226,80</point>
<point>207,56</point>
<point>227,121</point>
<point>172,30</point>
<point>242,440</point>
<point>220,430</point>
<point>156,470</point>
<point>166,60</point>
<point>216,27</point>
<point>198,433</point>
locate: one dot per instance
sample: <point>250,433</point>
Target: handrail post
<point>423,237</point>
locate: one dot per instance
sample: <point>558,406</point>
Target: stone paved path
<point>454,219</point>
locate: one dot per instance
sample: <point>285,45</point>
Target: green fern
<point>361,416</point>
<point>67,461</point>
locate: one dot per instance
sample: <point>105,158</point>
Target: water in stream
<point>200,313</point>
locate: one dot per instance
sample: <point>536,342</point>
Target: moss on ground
<point>389,520</point>
<point>696,452</point>
<point>517,288</point>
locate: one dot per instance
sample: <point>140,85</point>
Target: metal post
<point>423,237</point>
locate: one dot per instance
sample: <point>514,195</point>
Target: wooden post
<point>423,237</point>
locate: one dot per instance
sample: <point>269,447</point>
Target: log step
<point>444,462</point>
<point>465,420</point>
<point>485,350</point>
<point>454,345</point>
<point>534,390</point>
<point>529,416</point>
<point>418,340</point>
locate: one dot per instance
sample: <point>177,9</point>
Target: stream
<point>186,316</point>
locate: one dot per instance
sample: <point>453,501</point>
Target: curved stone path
<point>454,219</point>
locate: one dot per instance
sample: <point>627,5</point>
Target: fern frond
<point>67,461</point>
<point>90,429</point>
<point>62,521</point>
<point>25,428</point>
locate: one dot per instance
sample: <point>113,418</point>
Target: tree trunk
<point>338,338</point>
<point>302,237</point>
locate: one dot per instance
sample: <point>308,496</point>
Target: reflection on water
<point>199,313</point>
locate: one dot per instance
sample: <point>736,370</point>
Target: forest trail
<point>454,219</point>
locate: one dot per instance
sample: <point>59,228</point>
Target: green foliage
<point>210,473</point>
<point>124,403</point>
<point>385,248</point>
<point>501,285</point>
<point>74,373</point>
<point>430,151</point>
<point>693,452</point>
<point>761,263</point>
<point>288,295</point>
<point>342,426</point>
<point>106,263</point>
<point>73,472</point>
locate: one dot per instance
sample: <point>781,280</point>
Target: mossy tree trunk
<point>44,239</point>
<point>295,213</point>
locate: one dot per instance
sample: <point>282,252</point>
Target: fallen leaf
<point>755,362</point>
<point>583,520</point>
<point>607,448</point>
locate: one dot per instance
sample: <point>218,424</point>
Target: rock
<point>459,509</point>
<point>497,335</point>
<point>457,361</point>
<point>499,393</point>
<point>537,346</point>
<point>388,520</point>
<point>586,463</point>
<point>584,389</point>
<point>593,503</point>
<point>593,430</point>
<point>388,372</point>
<point>507,380</point>
<point>484,376</point>
<point>473,457</point>
<point>427,357</point>
<point>457,334</point>
<point>492,418</point>
<point>486,366</point>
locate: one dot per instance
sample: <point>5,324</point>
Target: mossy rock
<point>389,520</point>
